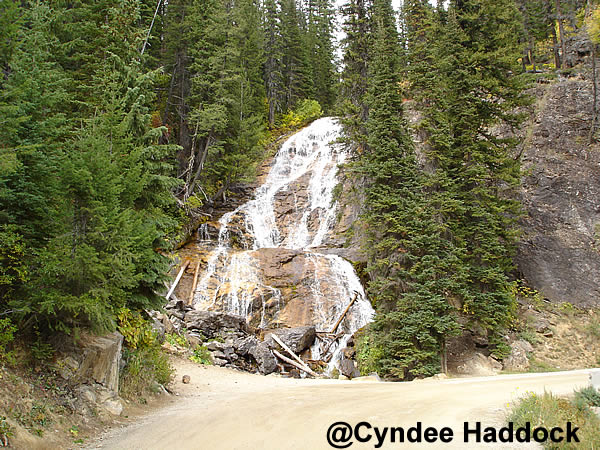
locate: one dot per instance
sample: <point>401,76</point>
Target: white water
<point>232,281</point>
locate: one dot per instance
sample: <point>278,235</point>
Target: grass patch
<point>593,328</point>
<point>549,411</point>
<point>530,336</point>
<point>146,368</point>
<point>536,366</point>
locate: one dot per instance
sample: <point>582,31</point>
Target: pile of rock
<point>232,342</point>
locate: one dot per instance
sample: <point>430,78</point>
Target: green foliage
<point>589,396</point>
<point>201,355</point>
<point>593,24</point>
<point>35,419</point>
<point>177,340</point>
<point>530,336</point>
<point>499,347</point>
<point>7,335</point>
<point>520,290</point>
<point>41,350</point>
<point>85,199</point>
<point>550,411</point>
<point>440,240</point>
<point>145,367</point>
<point>13,268</point>
<point>305,112</point>
<point>368,355</point>
<point>136,331</point>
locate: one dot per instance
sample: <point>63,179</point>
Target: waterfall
<point>289,217</point>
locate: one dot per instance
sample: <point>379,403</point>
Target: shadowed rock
<point>297,339</point>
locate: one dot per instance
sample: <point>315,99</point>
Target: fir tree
<point>352,100</point>
<point>412,269</point>
<point>273,55</point>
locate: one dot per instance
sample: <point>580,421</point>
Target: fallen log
<point>176,282</point>
<point>289,350</point>
<point>337,324</point>
<point>194,284</point>
<point>295,364</point>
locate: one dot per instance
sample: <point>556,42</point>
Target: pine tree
<point>273,55</point>
<point>296,69</point>
<point>320,39</point>
<point>353,105</point>
<point>476,69</point>
<point>114,216</point>
<point>9,29</point>
<point>412,269</point>
<point>87,214</point>
<point>32,128</point>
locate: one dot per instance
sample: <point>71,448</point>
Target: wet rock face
<point>559,253</point>
<point>266,259</point>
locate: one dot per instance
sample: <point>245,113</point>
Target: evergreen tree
<point>9,29</point>
<point>227,94</point>
<point>320,38</point>
<point>273,55</point>
<point>114,219</point>
<point>296,68</point>
<point>86,214</point>
<point>32,129</point>
<point>353,105</point>
<point>412,269</point>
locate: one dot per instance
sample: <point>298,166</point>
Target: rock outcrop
<point>559,252</point>
<point>92,368</point>
<point>518,360</point>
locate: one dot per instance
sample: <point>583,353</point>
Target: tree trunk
<point>561,31</point>
<point>555,49</point>
<point>532,53</point>
<point>595,96</point>
<point>444,358</point>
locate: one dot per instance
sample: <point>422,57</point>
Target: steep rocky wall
<point>559,252</point>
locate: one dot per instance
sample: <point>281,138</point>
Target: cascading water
<point>303,171</point>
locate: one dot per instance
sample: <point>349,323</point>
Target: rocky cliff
<point>559,252</point>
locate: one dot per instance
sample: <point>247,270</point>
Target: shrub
<point>550,411</point>
<point>367,355</point>
<point>177,340</point>
<point>588,395</point>
<point>7,335</point>
<point>145,368</point>
<point>136,331</point>
<point>306,111</point>
<point>201,355</point>
<point>530,336</point>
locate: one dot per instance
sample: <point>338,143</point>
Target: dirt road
<point>224,409</point>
